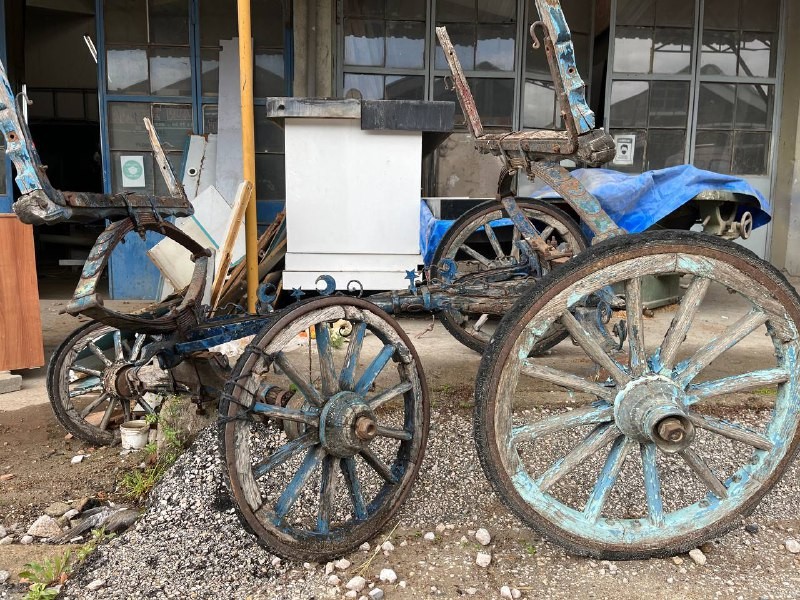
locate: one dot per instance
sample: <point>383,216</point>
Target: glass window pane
<point>364,43</point>
<point>456,11</point>
<point>209,81</point>
<point>405,45</point>
<point>636,12</point>
<point>269,134</point>
<point>751,153</point>
<point>629,104</point>
<point>669,104</point>
<point>407,10</point>
<point>675,13</point>
<point>639,138</point>
<point>722,14</point>
<point>713,151</point>
<point>716,106</point>
<point>495,100</point>
<point>174,124</point>
<point>755,106</point>
<point>363,8</point>
<point>270,177</point>
<point>370,87</point>
<point>497,11</point>
<point>170,72</point>
<point>761,16</point>
<point>496,48</point>
<point>210,118</point>
<point>127,71</point>
<point>758,54</point>
<point>126,21</point>
<point>632,50</point>
<point>463,38</point>
<point>405,87</point>
<point>540,104</point>
<point>665,148</point>
<point>719,53</point>
<point>269,74</point>
<point>169,22</point>
<point>447,94</point>
<point>268,24</point>
<point>217,21</point>
<point>120,158</point>
<point>673,51</point>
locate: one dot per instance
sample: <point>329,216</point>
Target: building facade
<point>705,82</point>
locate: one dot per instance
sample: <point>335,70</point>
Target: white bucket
<point>134,434</point>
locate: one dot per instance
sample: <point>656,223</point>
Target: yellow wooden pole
<point>248,148</point>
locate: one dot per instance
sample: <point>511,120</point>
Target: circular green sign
<point>133,170</point>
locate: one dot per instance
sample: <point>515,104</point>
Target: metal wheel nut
<point>671,430</point>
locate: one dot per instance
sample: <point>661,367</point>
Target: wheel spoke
<point>547,232</point>
<point>635,318</point>
<point>118,345</point>
<point>95,403</point>
<point>601,437</point>
<point>704,472</point>
<point>395,434</point>
<point>679,328</point>
<point>738,383</point>
<point>374,369</point>
<point>86,386</point>
<point>566,380</point>
<point>652,485</point>
<point>108,413</point>
<point>327,495</point>
<point>126,409</point>
<point>86,371</point>
<point>99,354</point>
<point>378,466</point>
<point>326,365</point>
<point>599,412</point>
<point>384,397</point>
<point>137,346</point>
<point>298,482</point>
<point>480,323</point>
<point>284,453</point>
<point>347,377</point>
<point>498,250</point>
<point>476,255</point>
<point>608,478</point>
<point>305,387</point>
<point>594,349</point>
<point>286,414</point>
<point>348,466</point>
<point>714,349</point>
<point>517,236</point>
<point>732,431</point>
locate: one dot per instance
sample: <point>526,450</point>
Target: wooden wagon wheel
<point>638,459</point>
<point>359,413</point>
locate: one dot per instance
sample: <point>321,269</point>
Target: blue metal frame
<point>7,197</point>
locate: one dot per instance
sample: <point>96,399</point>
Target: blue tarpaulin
<point>634,202</point>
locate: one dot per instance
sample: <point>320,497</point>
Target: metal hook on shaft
<point>536,43</point>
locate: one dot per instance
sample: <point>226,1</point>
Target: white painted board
<point>230,169</point>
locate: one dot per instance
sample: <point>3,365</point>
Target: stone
<point>342,564</point>
<point>387,546</point>
<point>483,559</point>
<point>329,568</point>
<point>26,539</point>
<point>376,594</point>
<point>471,591</point>
<point>96,585</point>
<point>505,592</point>
<point>516,594</point>
<point>276,562</point>
<point>440,528</point>
<point>792,545</point>
<point>4,575</point>
<point>403,584</point>
<point>76,460</point>
<point>698,557</point>
<point>708,548</point>
<point>364,547</point>
<point>429,537</point>
<point>9,539</point>
<point>334,580</point>
<point>85,504</point>
<point>483,536</point>
<point>751,528</point>
<point>56,509</point>
<point>356,584</point>
<point>677,560</point>
<point>45,527</point>
<point>3,532</point>
<point>388,576</point>
<point>351,594</point>
<point>10,383</point>
<point>70,514</point>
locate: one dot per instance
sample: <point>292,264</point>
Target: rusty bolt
<point>671,430</point>
<point>366,429</point>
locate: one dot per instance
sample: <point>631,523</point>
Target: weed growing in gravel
<point>99,537</point>
<point>51,572</point>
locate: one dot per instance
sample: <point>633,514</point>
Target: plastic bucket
<point>134,434</point>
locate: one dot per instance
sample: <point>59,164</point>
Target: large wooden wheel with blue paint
<point>326,420</point>
<point>649,435</point>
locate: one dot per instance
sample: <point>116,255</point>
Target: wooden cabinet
<point>21,345</point>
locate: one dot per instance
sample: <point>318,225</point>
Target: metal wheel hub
<point>347,425</point>
<point>115,380</point>
<point>652,410</point>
